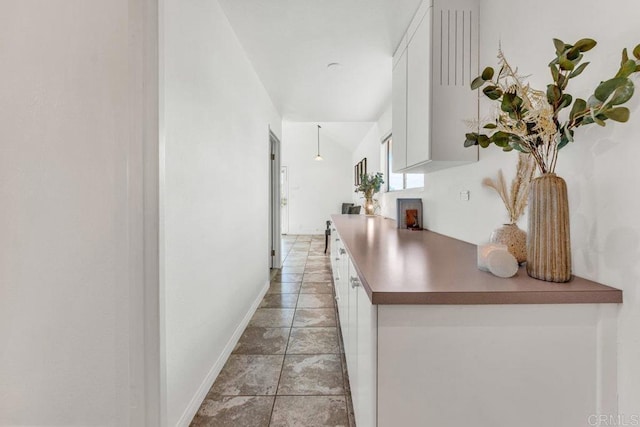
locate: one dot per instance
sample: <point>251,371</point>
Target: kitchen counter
<point>422,267</point>
<point>431,340</point>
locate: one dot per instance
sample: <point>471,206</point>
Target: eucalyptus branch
<point>527,119</point>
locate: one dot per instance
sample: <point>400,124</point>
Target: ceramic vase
<point>548,243</point>
<point>369,206</point>
<point>514,239</point>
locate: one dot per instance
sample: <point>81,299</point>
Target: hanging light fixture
<point>319,157</point>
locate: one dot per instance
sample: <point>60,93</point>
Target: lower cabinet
<point>358,325</point>
<point>499,365</point>
<point>365,390</point>
<point>341,279</point>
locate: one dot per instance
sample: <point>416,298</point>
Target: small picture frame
<point>410,214</point>
<point>358,170</point>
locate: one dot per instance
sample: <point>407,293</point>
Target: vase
<point>369,207</point>
<point>548,243</point>
<point>514,239</point>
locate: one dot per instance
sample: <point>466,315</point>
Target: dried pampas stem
<point>515,201</point>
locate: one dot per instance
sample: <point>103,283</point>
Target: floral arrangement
<point>369,185</point>
<point>528,120</point>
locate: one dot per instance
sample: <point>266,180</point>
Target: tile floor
<point>288,368</point>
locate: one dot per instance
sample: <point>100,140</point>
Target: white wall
<point>600,167</point>
<point>317,189</point>
<point>371,148</point>
<point>370,145</point>
<point>216,196</point>
<point>71,213</point>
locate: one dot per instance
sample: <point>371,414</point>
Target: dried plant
<point>515,201</point>
<point>528,120</point>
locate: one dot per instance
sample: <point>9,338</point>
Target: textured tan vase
<point>548,244</point>
<point>369,207</point>
<point>514,239</point>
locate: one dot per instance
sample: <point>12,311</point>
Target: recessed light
<point>334,66</point>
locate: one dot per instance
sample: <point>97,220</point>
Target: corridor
<point>288,368</point>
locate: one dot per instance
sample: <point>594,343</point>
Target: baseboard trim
<point>198,398</point>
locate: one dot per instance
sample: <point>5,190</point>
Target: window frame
<point>388,172</point>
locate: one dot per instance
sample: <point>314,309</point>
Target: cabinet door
<point>399,113</point>
<point>365,392</point>
<point>343,303</point>
<point>418,111</point>
<point>341,286</point>
<point>333,252</point>
<point>351,335</point>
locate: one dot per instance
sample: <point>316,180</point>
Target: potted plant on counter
<point>530,121</point>
<point>369,185</point>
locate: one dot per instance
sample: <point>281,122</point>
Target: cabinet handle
<point>337,240</point>
<point>338,259</point>
<point>342,251</point>
<point>337,298</point>
<point>355,282</point>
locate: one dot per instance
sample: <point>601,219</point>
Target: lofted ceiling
<point>291,42</point>
<point>347,134</point>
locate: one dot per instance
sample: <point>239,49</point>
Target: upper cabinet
<point>399,111</point>
<point>432,101</point>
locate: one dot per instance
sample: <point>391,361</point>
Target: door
<point>274,202</point>
<point>284,200</point>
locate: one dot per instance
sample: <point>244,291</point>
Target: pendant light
<point>319,157</point>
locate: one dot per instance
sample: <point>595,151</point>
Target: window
<point>398,181</point>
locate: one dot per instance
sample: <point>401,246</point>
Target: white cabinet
<point>365,390</point>
<point>399,112</point>
<point>350,333</point>
<point>431,100</point>
<point>418,109</point>
<point>445,365</point>
<point>358,325</point>
<point>340,266</point>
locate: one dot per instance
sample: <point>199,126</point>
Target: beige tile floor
<point>288,368</point>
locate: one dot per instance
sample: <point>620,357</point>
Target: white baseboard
<point>304,231</point>
<point>198,398</point>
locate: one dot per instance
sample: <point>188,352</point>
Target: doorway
<point>274,202</point>
<point>284,200</point>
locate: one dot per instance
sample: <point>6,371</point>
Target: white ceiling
<point>290,43</point>
<point>349,135</point>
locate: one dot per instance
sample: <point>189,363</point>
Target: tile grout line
<point>284,395</point>
<point>284,357</point>
<point>275,393</point>
<point>346,395</point>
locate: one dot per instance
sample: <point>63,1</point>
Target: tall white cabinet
<point>432,100</point>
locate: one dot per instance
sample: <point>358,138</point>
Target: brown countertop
<point>423,267</point>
